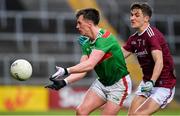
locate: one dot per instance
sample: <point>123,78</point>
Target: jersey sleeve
<point>103,44</point>
<point>155,43</point>
<point>128,45</point>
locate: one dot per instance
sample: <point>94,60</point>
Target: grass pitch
<point>66,112</point>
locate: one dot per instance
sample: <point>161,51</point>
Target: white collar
<point>139,34</point>
<point>98,35</point>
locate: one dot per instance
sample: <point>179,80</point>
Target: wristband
<point>152,82</point>
<point>66,71</point>
<point>66,81</point>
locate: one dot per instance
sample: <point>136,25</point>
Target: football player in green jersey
<point>101,52</point>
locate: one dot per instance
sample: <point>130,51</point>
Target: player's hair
<point>90,14</point>
<point>145,8</point>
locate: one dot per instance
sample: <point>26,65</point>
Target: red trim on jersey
<point>125,93</point>
<point>106,56</point>
<point>106,34</point>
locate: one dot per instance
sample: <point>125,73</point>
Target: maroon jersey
<point>142,45</point>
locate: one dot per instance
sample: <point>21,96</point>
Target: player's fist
<point>59,73</point>
<point>57,84</point>
<point>148,86</point>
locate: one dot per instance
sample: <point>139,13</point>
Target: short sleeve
<point>155,43</point>
<point>104,44</point>
<point>128,45</point>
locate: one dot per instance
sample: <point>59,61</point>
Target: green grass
<point>66,112</point>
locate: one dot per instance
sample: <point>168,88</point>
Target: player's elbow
<point>91,64</point>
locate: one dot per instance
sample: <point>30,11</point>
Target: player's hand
<point>148,86</point>
<point>82,39</point>
<point>56,85</point>
<point>59,73</point>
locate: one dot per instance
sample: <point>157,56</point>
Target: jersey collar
<point>139,34</point>
<point>98,35</point>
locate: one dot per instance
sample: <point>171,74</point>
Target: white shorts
<point>161,95</point>
<point>116,93</point>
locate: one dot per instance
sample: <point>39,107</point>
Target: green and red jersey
<point>112,67</point>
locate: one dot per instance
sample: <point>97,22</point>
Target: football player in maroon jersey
<point>157,87</point>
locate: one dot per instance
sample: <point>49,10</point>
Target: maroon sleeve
<point>155,43</point>
<point>128,45</point>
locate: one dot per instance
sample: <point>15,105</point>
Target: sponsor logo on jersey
<point>141,53</point>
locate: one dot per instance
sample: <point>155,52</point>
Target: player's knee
<point>81,111</point>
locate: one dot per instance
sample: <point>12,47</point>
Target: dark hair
<point>90,14</point>
<point>146,9</point>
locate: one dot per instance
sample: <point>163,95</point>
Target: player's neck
<point>94,32</point>
<point>143,28</point>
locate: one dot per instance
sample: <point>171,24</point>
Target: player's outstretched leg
<point>137,101</point>
<point>91,102</point>
<point>138,107</point>
<point>110,108</point>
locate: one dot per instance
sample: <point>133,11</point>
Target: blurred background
<point>44,33</point>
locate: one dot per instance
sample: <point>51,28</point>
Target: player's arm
<point>89,64</point>
<point>75,77</point>
<point>58,84</point>
<point>125,52</point>
<point>85,66</point>
<point>158,59</point>
<point>77,72</point>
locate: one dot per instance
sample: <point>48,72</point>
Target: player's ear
<point>90,23</point>
<point>147,18</point>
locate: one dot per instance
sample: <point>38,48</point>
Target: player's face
<point>137,19</point>
<point>83,26</point>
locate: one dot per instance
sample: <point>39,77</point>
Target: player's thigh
<point>90,102</point>
<point>148,107</point>
<point>111,108</point>
<point>136,102</point>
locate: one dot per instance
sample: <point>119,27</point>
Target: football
<point>21,69</point>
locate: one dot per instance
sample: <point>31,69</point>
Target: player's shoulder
<point>134,35</point>
<point>150,31</point>
<point>104,33</point>
<point>153,31</point>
